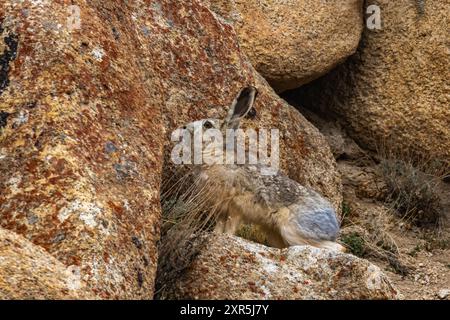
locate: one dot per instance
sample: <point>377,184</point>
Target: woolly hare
<point>289,213</point>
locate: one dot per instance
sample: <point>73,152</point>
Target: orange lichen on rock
<point>85,114</point>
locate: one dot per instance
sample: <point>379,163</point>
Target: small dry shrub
<point>365,233</point>
<point>414,187</point>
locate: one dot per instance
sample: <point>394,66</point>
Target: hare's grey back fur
<point>277,203</point>
<point>290,213</point>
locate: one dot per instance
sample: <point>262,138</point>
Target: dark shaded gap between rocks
<point>10,53</point>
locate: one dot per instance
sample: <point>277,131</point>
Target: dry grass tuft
<point>189,208</point>
<point>253,233</point>
<point>365,233</point>
<point>413,185</point>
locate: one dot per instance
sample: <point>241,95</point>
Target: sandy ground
<point>429,268</point>
<point>425,254</point>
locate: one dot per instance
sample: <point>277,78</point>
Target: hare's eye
<point>207,125</point>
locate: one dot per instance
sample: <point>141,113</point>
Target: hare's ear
<point>240,107</point>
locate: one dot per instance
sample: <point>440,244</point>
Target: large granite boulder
<point>293,42</point>
<point>233,268</point>
<point>394,91</point>
<point>29,272</point>
<point>85,110</point>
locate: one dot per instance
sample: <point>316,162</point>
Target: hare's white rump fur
<point>289,213</point>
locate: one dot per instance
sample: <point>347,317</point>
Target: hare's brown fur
<point>288,212</point>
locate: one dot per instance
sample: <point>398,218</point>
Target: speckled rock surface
<point>232,268</point>
<point>293,42</point>
<point>210,69</point>
<point>85,114</point>
<point>395,90</point>
<point>29,272</point>
<point>80,141</point>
